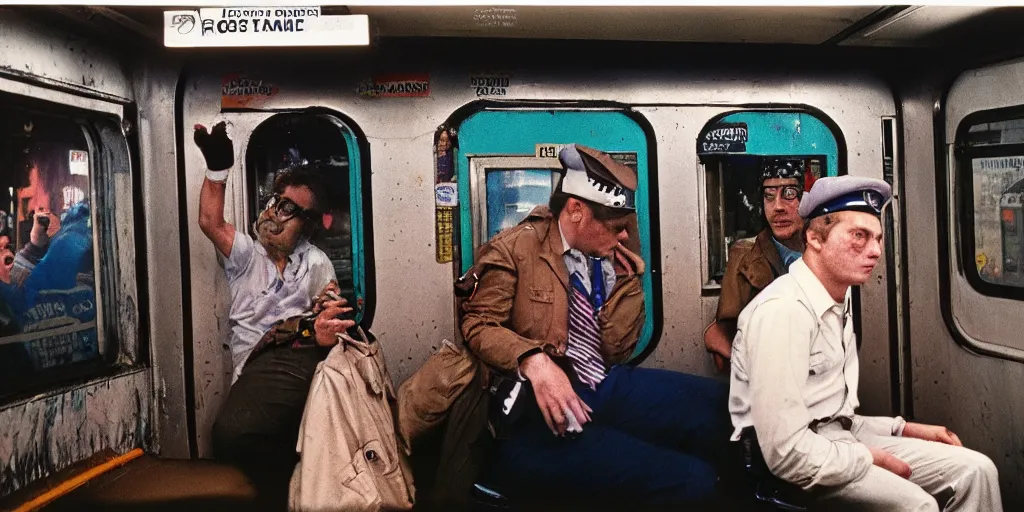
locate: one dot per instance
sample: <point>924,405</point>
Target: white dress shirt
<point>794,361</point>
<point>261,295</point>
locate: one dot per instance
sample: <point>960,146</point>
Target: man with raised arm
<point>795,374</point>
<point>277,277</point>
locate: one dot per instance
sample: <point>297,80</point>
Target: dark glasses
<point>285,209</point>
<point>789,192</point>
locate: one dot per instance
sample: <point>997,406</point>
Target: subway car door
<point>732,149</point>
<point>267,142</point>
<point>501,178</point>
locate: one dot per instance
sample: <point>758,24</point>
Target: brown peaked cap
<point>603,165</point>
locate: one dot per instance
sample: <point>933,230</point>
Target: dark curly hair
<point>311,176</point>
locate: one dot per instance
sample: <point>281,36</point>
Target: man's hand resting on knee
<point>554,392</point>
<point>890,462</point>
<point>935,433</point>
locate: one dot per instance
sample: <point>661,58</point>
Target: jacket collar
<point>763,246</point>
<point>551,242</point>
<point>553,247</point>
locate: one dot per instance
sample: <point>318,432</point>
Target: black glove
<point>216,146</point>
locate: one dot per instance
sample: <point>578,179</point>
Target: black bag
<point>769,488</point>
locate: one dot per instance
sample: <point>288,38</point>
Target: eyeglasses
<point>285,209</point>
<point>789,193</point>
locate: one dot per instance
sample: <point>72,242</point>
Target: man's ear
<point>573,205</point>
<point>813,240</point>
<point>328,220</point>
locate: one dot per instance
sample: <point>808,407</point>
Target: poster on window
<point>995,180</point>
<point>723,138</point>
<point>78,163</point>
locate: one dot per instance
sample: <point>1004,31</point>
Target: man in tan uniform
<point>558,309</point>
<point>756,262</point>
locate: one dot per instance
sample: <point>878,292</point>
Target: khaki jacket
<point>522,300</point>
<point>350,458</point>
<point>753,264</point>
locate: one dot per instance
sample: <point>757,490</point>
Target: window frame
<point>710,288</point>
<point>116,288</point>
<point>480,165</point>
<point>463,258</point>
<point>964,206</point>
<point>359,191</point>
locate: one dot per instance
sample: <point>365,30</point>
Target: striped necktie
<point>584,333</point>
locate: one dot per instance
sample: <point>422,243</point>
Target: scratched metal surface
<point>42,53</point>
<point>51,432</point>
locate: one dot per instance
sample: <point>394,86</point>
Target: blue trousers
<point>655,439</point>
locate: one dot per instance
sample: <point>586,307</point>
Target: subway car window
<point>513,193</point>
<point>991,160</point>
<point>48,272</point>
<point>503,173</point>
<point>288,140</point>
<point>734,150</point>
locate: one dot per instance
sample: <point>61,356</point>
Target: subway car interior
<point>433,128</point>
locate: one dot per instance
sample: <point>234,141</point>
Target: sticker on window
<point>78,161</point>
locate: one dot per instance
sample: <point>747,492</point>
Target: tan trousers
<point>962,479</point>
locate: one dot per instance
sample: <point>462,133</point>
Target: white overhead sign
<point>263,26</point>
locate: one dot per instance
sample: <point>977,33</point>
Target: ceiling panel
<point>795,25</point>
<point>914,26</point>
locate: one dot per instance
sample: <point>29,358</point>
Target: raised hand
<point>215,145</point>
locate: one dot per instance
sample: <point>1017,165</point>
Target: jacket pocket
<point>351,490</point>
<point>820,362</point>
<point>390,485</point>
<point>541,295</point>
<point>358,479</point>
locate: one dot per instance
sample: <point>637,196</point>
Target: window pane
<point>512,193</point>
<point>293,139</point>
<point>998,249</point>
<point>48,303</point>
<point>1010,131</point>
<point>735,207</point>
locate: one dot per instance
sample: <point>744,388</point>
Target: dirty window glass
<point>998,190</point>
<point>48,301</point>
<point>513,193</point>
<point>1009,131</point>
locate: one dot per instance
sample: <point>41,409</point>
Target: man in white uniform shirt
<point>271,279</point>
<point>795,374</point>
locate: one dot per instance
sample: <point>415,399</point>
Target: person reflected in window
<point>49,286</point>
<point>795,371</point>
<point>272,278</point>
<point>558,310</point>
<point>755,262</point>
<point>8,323</point>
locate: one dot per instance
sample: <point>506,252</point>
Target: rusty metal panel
<point>42,54</point>
<point>47,434</point>
<point>154,88</point>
